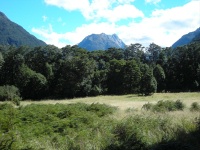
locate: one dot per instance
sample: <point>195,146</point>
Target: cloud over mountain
<point>162,26</point>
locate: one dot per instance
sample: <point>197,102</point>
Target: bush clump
<point>163,106</point>
<point>10,93</point>
<point>195,107</point>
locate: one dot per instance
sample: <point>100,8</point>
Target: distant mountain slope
<point>13,34</point>
<point>101,42</point>
<point>188,38</point>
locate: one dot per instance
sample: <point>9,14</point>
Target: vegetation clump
<point>163,106</point>
<point>10,93</point>
<point>195,106</point>
<point>88,127</point>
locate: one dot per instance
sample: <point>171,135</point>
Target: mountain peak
<point>101,42</point>
<point>2,14</point>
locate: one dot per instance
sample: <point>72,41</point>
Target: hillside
<point>187,38</point>
<point>101,42</point>
<point>15,35</point>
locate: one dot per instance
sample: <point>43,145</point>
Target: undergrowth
<point>163,106</point>
<point>89,127</point>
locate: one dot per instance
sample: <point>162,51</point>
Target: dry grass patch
<point>126,101</point>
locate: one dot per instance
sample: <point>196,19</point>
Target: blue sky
<point>67,22</point>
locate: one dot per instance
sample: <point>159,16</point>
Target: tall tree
<point>148,84</point>
<point>115,77</point>
<point>31,84</point>
<point>131,77</point>
<point>134,51</point>
<point>153,52</point>
<point>159,74</point>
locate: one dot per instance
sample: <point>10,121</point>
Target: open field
<point>132,104</point>
<point>126,101</point>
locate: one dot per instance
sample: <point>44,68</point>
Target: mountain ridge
<point>101,42</point>
<point>187,38</point>
<point>15,35</point>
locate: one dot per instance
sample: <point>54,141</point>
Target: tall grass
<point>94,127</point>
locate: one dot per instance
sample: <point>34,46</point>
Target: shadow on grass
<point>190,141</point>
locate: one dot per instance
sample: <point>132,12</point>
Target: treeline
<point>50,72</point>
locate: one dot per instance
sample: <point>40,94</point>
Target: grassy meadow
<point>124,102</point>
<point>163,121</point>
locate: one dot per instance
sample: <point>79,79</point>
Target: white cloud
<point>44,18</point>
<point>163,27</point>
<point>72,38</point>
<point>153,1</point>
<point>69,4</point>
<point>120,12</point>
<point>112,10</point>
<point>49,36</point>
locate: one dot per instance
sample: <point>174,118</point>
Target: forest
<point>55,73</point>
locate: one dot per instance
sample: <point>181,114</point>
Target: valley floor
<point>124,102</point>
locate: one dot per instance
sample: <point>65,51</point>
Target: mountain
<point>13,34</point>
<point>101,42</point>
<point>187,38</point>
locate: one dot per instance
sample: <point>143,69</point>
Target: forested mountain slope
<point>187,38</point>
<point>13,34</point>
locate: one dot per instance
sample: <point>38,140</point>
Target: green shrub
<point>101,109</point>
<point>8,121</point>
<point>142,132</point>
<point>10,93</point>
<point>195,106</point>
<point>86,127</point>
<point>147,106</point>
<point>163,106</point>
<point>179,105</point>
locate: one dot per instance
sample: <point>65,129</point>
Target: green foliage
<point>10,93</point>
<point>63,126</point>
<point>1,60</point>
<point>50,72</point>
<point>31,83</point>
<point>101,109</point>
<point>115,76</point>
<point>146,132</point>
<point>163,106</point>
<point>131,77</point>
<point>195,106</point>
<point>148,83</point>
<point>147,106</point>
<point>15,35</point>
<point>87,127</point>
<point>8,135</point>
<point>159,75</point>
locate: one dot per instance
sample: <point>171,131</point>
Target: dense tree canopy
<point>50,72</point>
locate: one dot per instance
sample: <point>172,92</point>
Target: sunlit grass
<point>126,101</point>
<point>130,105</point>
